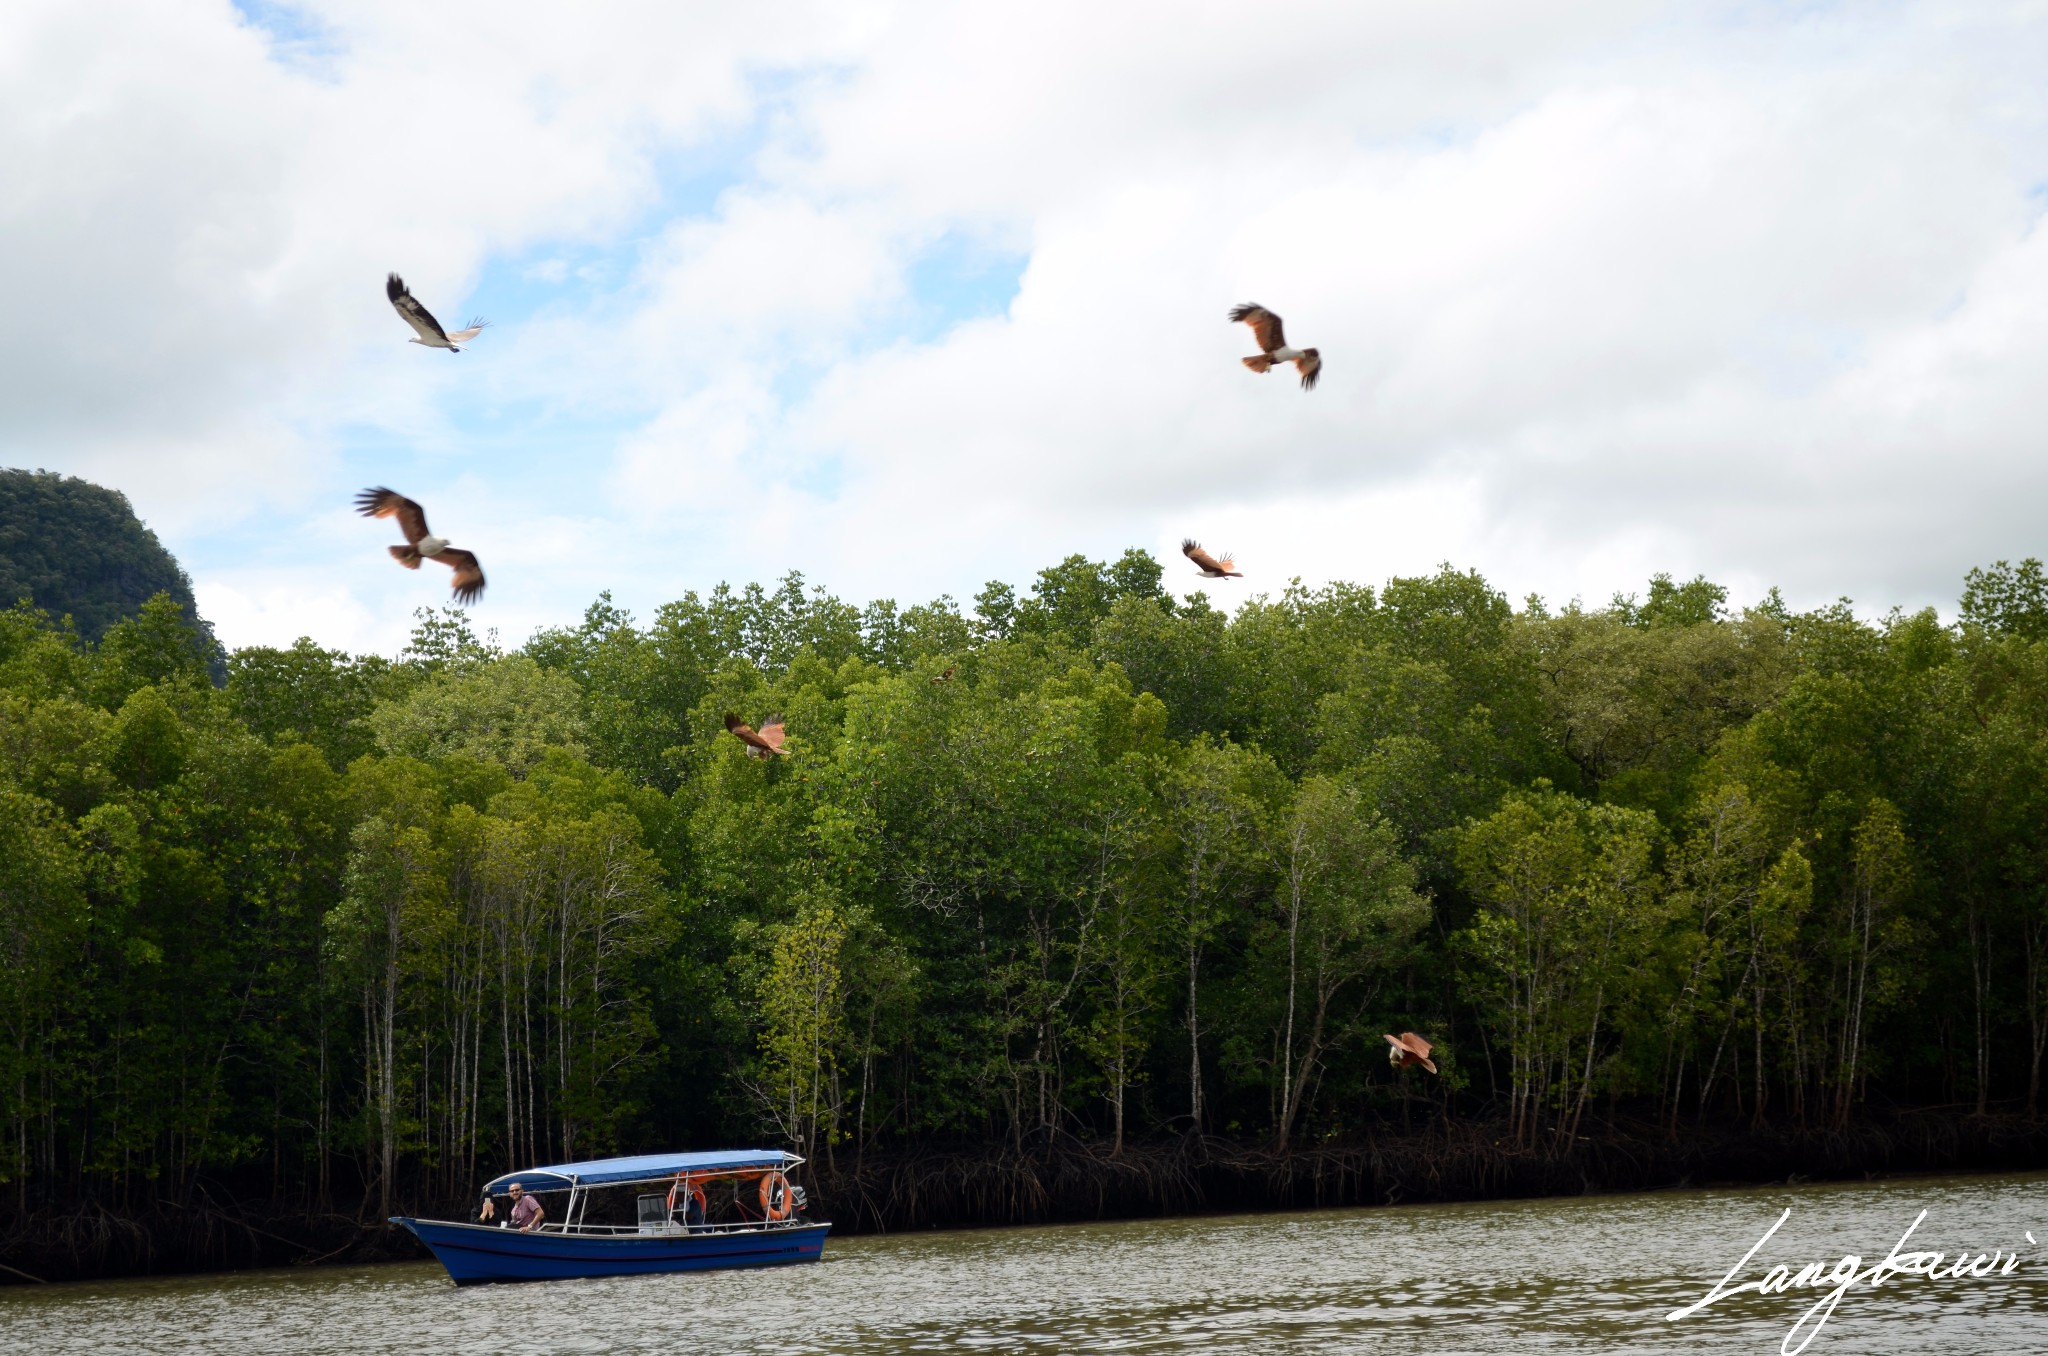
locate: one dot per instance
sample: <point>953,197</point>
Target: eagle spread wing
<point>383,503</point>
<point>1266,327</point>
<point>765,744</point>
<point>412,313</point>
<point>1205,562</point>
<point>1310,365</point>
<point>469,576</point>
<point>1412,1049</point>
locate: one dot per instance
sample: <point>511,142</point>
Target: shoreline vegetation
<point>1085,896</point>
<point>1071,1182</point>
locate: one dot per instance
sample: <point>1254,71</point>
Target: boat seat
<point>654,1213</point>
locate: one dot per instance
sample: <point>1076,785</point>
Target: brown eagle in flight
<point>422,320</point>
<point>421,544</point>
<point>1409,1048</point>
<point>1272,341</point>
<point>766,744</point>
<point>1210,567</point>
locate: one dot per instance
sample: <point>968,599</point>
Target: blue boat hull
<point>476,1253</point>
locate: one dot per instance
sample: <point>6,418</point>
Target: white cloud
<point>1602,288</point>
<point>1646,313</point>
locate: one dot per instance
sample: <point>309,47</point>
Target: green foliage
<point>803,1018</point>
<point>159,646</point>
<point>508,712</point>
<point>1086,862</point>
<point>1689,604</point>
<point>1347,911</point>
<point>76,550</point>
<point>309,695</point>
<point>1637,706</point>
<point>1568,904</point>
<point>2008,600</point>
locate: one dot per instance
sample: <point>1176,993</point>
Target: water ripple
<point>1590,1274</point>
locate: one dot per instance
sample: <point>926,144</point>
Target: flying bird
<point>422,320</point>
<point>420,543</point>
<point>1409,1048</point>
<point>1210,567</point>
<point>947,676</point>
<point>766,744</point>
<point>1272,340</point>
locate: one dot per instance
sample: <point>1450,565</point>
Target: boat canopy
<point>640,1168</point>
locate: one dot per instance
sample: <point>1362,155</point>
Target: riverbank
<point>1592,1275</point>
<point>1068,1181</point>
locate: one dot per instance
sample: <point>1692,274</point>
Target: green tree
<point>390,874</point>
<point>2012,600</point>
<point>1348,910</point>
<point>507,711</point>
<point>1568,898</point>
<point>1217,803</point>
<point>1871,935</point>
<point>77,550</point>
<point>314,696</point>
<point>803,1014</point>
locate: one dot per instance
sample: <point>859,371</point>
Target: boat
<point>730,1208</point>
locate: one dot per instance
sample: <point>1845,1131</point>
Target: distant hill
<point>75,547</point>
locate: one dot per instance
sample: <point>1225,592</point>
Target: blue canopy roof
<point>640,1168</point>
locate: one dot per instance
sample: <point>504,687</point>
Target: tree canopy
<point>77,550</point>
<point>1088,861</point>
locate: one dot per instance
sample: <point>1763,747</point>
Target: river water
<point>1585,1274</point>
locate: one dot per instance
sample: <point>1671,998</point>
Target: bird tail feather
<point>1262,363</point>
<point>407,556</point>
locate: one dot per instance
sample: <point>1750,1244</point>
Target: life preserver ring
<point>777,1202</point>
<point>696,1193</point>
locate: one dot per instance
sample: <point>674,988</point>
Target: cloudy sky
<point>910,297</point>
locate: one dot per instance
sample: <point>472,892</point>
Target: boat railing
<point>655,1221</point>
<point>675,1227</point>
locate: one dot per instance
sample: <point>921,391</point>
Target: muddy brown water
<point>1587,1274</point>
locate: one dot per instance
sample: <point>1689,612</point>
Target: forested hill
<point>76,548</point>
<point>1083,866</point>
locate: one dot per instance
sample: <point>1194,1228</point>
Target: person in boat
<point>527,1212</point>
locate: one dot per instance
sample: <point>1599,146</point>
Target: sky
<point>912,297</point>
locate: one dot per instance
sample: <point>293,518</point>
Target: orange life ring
<point>776,1200</point>
<point>696,1190</point>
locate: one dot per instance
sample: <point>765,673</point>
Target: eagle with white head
<point>420,544</point>
<point>1211,567</point>
<point>1272,340</point>
<point>763,743</point>
<point>1409,1049</point>
<point>422,320</point>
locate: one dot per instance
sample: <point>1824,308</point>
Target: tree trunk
<point>1194,1036</point>
<point>1980,975</point>
<point>2037,1008</point>
<point>1756,1115</point>
<point>1287,1041</point>
<point>387,1078</point>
